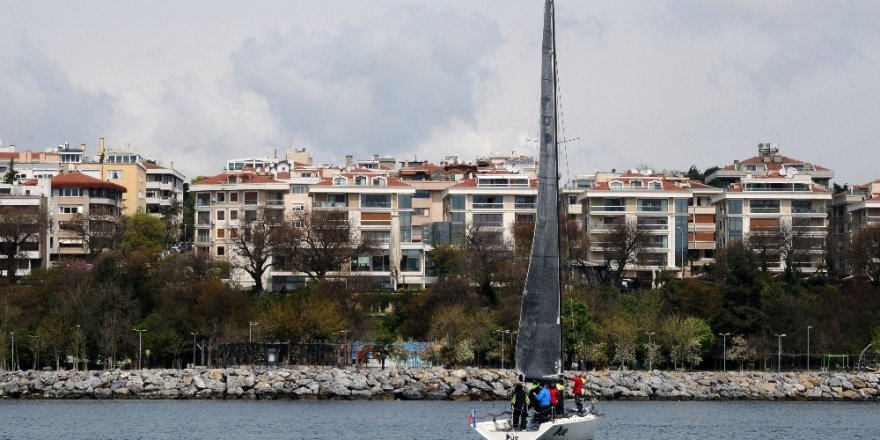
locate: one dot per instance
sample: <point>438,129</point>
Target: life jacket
<point>520,399</point>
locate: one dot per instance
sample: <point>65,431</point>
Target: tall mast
<point>539,341</point>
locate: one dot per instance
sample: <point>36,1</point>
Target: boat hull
<point>571,428</point>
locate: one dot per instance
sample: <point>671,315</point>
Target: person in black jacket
<point>520,404</point>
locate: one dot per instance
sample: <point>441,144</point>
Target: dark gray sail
<point>539,341</point>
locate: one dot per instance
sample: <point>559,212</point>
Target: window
<point>404,201</point>
<point>250,198</point>
<point>456,217</point>
<point>734,206</point>
<point>801,206</point>
<point>340,181</point>
<point>250,216</point>
<point>221,197</point>
<point>380,181</point>
<point>114,174</point>
<point>203,218</point>
<point>681,205</point>
<point>764,206</point>
<point>651,205</point>
<point>298,189</point>
<point>422,194</point>
<point>233,197</point>
<point>233,214</point>
<point>70,209</point>
<point>298,207</point>
<point>221,251</point>
<point>524,218</point>
<point>221,233</point>
<point>337,200</point>
<point>524,202</point>
<point>735,228</point>
<point>410,260</point>
<point>489,220</point>
<point>457,201</point>
<point>616,185</point>
<point>655,185</point>
<point>71,192</point>
<point>221,215</point>
<point>233,232</point>
<point>421,212</point>
<point>360,180</point>
<point>488,202</point>
<point>376,236</point>
<point>636,184</point>
<point>375,200</point>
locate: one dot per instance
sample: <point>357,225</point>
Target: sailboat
<point>539,338</point>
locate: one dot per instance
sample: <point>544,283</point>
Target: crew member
<point>520,404</point>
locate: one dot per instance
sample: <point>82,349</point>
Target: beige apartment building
<point>85,212</point>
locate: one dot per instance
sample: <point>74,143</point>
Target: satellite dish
<point>792,172</point>
<point>782,172</point>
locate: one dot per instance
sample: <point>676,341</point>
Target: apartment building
<point>851,210</point>
<point>164,190</point>
<point>21,206</point>
<point>380,207</point>
<point>674,212</point>
<point>489,202</point>
<point>223,203</point>
<point>84,212</point>
<point>778,205</point>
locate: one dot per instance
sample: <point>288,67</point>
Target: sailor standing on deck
<point>520,404</point>
<point>542,405</point>
<point>578,390</point>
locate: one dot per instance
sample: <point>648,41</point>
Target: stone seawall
<point>426,383</point>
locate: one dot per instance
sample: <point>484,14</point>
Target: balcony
<point>275,203</point>
<point>607,208</point>
<point>331,205</point>
<point>530,206</point>
<point>490,206</point>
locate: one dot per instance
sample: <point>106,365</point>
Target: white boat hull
<point>570,428</point>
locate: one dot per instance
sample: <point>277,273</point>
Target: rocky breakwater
<point>426,383</point>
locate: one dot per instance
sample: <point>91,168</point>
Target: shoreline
<point>327,383</point>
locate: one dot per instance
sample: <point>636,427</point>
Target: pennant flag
<point>472,419</point>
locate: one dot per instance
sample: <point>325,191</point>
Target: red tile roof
<point>76,179</point>
<point>786,161</point>
<point>245,176</point>
<point>390,181</point>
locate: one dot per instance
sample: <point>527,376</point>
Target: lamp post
<point>724,350</point>
<point>503,332</point>
<point>12,352</point>
<point>140,344</point>
<point>779,336</point>
<point>251,331</point>
<point>194,334</point>
<point>650,351</point>
<point>679,250</point>
<point>78,344</point>
<point>808,346</point>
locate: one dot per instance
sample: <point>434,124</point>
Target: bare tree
<point>796,244</point>
<point>323,241</point>
<point>622,245</point>
<point>765,242</point>
<point>20,230</point>
<point>863,253</point>
<point>259,237</point>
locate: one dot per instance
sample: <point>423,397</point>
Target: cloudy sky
<point>665,84</point>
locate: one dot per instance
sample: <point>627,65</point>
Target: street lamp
<point>140,344</point>
<point>194,334</point>
<point>251,331</point>
<point>78,344</point>
<point>12,352</point>
<point>36,342</point>
<point>724,350</point>
<point>503,332</point>
<point>650,351</point>
<point>808,346</point>
<point>779,336</point>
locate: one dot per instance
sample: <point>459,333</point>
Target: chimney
<point>349,160</point>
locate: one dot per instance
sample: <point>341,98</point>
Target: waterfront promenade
<point>427,383</point>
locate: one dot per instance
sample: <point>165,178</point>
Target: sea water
<point>406,420</point>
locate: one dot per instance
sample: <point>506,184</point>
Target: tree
<point>863,253</point>
<point>742,283</point>
<point>796,243</point>
<point>323,241</point>
<point>741,350</point>
<point>486,253</point>
<point>577,327</point>
<point>20,230</point>
<point>259,237</point>
<point>622,245</point>
<point>144,232</point>
<point>10,177</point>
<point>686,339</point>
<point>765,242</point>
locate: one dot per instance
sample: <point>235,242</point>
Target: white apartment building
<point>489,202</point>
<point>675,212</point>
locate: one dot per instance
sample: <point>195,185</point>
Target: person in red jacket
<point>578,390</point>
<point>554,395</point>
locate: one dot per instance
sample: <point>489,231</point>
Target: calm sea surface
<point>90,419</point>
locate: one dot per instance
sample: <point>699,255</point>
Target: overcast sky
<point>663,83</point>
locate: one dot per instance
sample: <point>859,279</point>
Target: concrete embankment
<point>426,383</point>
